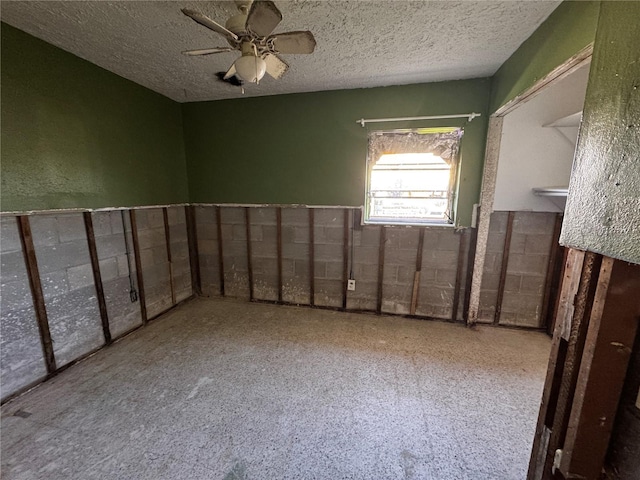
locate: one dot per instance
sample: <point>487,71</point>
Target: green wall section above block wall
<point>76,135</point>
<point>308,149</point>
<point>569,29</point>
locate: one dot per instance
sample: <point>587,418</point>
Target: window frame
<point>454,180</point>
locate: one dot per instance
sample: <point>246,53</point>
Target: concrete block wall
<point>180,263</point>
<point>439,260</point>
<point>68,287</point>
<point>526,268</point>
<point>66,275</point>
<point>117,269</point>
<point>328,246</point>
<point>264,254</point>
<point>21,357</point>
<point>155,260</point>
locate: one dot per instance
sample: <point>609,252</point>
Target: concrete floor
<point>219,389</point>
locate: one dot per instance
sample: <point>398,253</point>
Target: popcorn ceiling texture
<point>359,44</point>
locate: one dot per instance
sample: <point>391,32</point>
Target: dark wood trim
<point>504,265</point>
<point>459,271</point>
<point>138,261</point>
<point>416,276</point>
<point>247,223</point>
<point>312,258</point>
<point>381,246</point>
<point>279,250</point>
<point>194,254</point>
<point>220,249</point>
<point>31,263</point>
<point>167,238</point>
<point>552,271</point>
<point>471,259</point>
<point>97,276</point>
<point>345,257</point>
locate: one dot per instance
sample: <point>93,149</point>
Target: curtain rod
<point>468,116</point>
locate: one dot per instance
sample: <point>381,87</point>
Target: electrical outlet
<point>351,285</point>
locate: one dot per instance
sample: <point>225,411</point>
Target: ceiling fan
<point>250,32</point>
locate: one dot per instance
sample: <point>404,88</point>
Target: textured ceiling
<point>359,43</point>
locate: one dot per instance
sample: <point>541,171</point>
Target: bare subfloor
<point>219,389</point>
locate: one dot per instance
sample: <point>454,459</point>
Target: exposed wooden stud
<point>194,255</point>
<point>552,271</point>
<point>31,263</point>
<point>220,249</point>
<point>167,238</point>
<point>381,246</point>
<point>504,265</point>
<point>138,261</point>
<point>312,259</point>
<point>471,260</point>
<point>579,324</point>
<point>416,277</point>
<point>610,339</point>
<point>247,222</point>
<point>459,267</point>
<point>279,250</point>
<point>571,278</point>
<point>345,257</point>
<point>97,276</point>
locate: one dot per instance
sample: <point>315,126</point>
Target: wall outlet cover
<point>351,285</point>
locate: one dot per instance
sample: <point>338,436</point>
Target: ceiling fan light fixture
<point>250,68</point>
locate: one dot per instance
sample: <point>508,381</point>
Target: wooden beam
<point>603,366</point>
<point>381,246</point>
<point>345,257</point>
<point>571,278</point>
<point>279,250</point>
<point>97,276</point>
<point>552,271</point>
<point>575,346</point>
<point>31,263</point>
<point>416,277</point>
<point>138,261</point>
<point>194,255</point>
<point>247,222</point>
<point>220,249</point>
<point>456,290</point>
<point>167,238</point>
<point>503,267</point>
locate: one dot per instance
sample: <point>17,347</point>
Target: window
<point>411,176</point>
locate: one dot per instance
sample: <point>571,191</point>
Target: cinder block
<point>405,274</point>
<point>441,260</point>
<point>495,242</point>
<point>490,281</point>
<point>44,229</point>
<point>205,216</point>
<point>370,236</point>
<point>327,252</point>
<point>232,215</point>
<point>533,285</point>
<point>527,264</point>
<point>80,276</point>
<point>207,231</point>
<point>117,222</point>
<point>538,244</point>
<point>301,268</point>
<point>54,283</point>
<point>334,270</point>
<point>9,235</point>
<point>62,256</point>
<point>108,269</point>
<point>512,283</point>
<point>534,223</point>
<point>448,240</point>
<point>71,227</point>
<point>446,278</point>
<point>101,223</point>
<point>520,303</point>
<point>498,222</point>
<point>12,266</point>
<point>298,216</point>
<point>517,243</point>
<point>328,216</point>
<point>263,215</point>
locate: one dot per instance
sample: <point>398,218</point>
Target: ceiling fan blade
<point>294,42</point>
<point>207,51</point>
<point>263,17</point>
<point>230,73</point>
<point>276,67</point>
<point>210,24</point>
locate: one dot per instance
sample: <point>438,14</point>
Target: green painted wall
<point>603,207</point>
<point>570,28</point>
<point>75,135</point>
<point>308,148</point>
